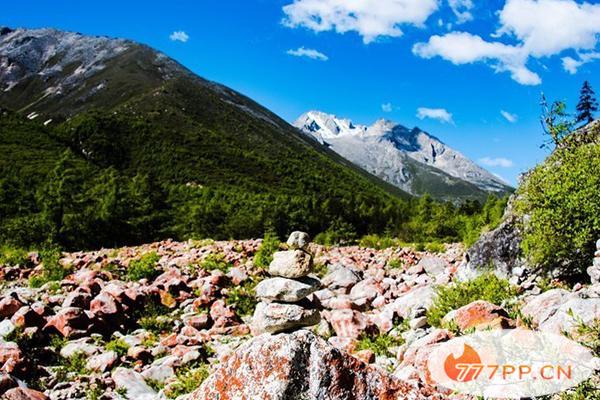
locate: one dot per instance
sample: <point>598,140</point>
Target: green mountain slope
<point>108,142</point>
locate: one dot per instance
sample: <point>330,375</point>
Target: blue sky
<point>370,59</point>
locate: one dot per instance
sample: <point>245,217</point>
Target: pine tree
<point>587,104</point>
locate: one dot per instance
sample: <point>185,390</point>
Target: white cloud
<point>387,107</point>
<point>369,18</point>
<point>512,118</point>
<point>465,48</point>
<point>547,27</point>
<point>310,53</point>
<point>542,28</point>
<point>462,10</point>
<point>571,65</point>
<point>179,36</point>
<point>439,114</point>
<point>496,162</point>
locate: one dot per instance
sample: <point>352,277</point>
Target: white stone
<point>286,290</point>
<point>277,317</point>
<point>298,240</point>
<point>291,264</point>
<point>134,385</point>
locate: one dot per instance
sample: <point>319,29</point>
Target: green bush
<point>264,255</point>
<point>189,379</point>
<point>52,269</point>
<point>216,262</point>
<point>450,297</point>
<point>243,298</point>
<point>144,267</point>
<point>11,255</point>
<point>379,344</point>
<point>435,247</point>
<point>119,346</point>
<point>560,198</point>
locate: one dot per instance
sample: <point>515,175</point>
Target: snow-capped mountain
<point>410,159</point>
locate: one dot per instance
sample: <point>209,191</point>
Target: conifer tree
<point>587,104</point>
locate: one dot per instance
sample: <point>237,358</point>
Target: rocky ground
<point>154,321</point>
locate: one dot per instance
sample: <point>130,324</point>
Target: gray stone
<point>6,328</point>
<point>298,240</point>
<point>102,362</point>
<point>291,264</point>
<point>341,278</point>
<point>570,314</point>
<point>286,290</point>
<point>594,273</point>
<point>598,244</point>
<point>433,265</point>
<point>542,307</point>
<point>417,323</point>
<point>278,317</point>
<point>134,384</point>
<point>80,346</point>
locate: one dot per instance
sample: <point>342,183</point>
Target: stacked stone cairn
<point>594,270</point>
<point>283,305</point>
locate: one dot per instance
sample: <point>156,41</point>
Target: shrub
<point>435,247</point>
<point>379,344</point>
<point>560,198</point>
<point>10,255</point>
<point>378,242</point>
<point>155,318</point>
<point>52,269</point>
<point>243,298</point>
<point>119,346</point>
<point>144,267</point>
<point>216,261</point>
<point>395,263</point>
<point>189,379</point>
<point>264,255</point>
<point>450,297</point>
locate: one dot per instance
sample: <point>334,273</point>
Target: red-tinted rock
<point>222,314</point>
<point>70,322</point>
<point>347,323</point>
<point>26,317</point>
<point>299,365</point>
<point>105,305</point>
<point>78,298</point>
<point>8,306</point>
<point>23,394</point>
<point>200,321</point>
<point>481,315</point>
<point>11,357</point>
<point>6,382</point>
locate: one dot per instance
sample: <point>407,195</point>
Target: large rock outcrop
<point>301,366</point>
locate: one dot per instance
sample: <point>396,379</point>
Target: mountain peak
<point>397,154</point>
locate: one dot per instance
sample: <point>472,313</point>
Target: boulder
<point>134,384</point>
<point>286,290</point>
<point>480,315</point>
<point>6,382</point>
<point>291,264</point>
<point>433,265</point>
<point>500,248</point>
<point>8,306</point>
<point>222,314</point>
<point>11,357</point>
<point>70,322</point>
<point>278,317</point>
<point>27,317</point>
<point>105,305</point>
<point>299,366</point>
<point>541,307</point>
<point>80,346</point>
<point>347,323</point>
<point>21,393</point>
<point>298,240</point>
<point>341,278</point>
<point>570,314</point>
<point>102,362</point>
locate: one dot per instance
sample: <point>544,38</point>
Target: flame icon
<point>465,368</point>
